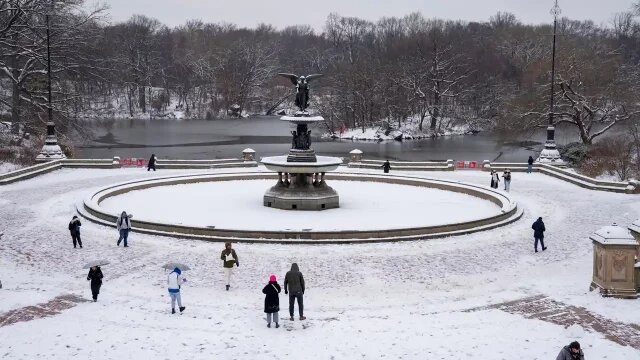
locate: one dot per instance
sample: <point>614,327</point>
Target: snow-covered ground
<point>8,167</point>
<point>409,129</point>
<point>363,206</point>
<point>363,301</point>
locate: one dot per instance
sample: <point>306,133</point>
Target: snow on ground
<point>409,129</point>
<point>363,206</point>
<point>6,167</point>
<point>397,300</point>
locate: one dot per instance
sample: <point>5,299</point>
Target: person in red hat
<point>272,300</point>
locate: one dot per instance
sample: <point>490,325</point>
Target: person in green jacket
<point>229,258</point>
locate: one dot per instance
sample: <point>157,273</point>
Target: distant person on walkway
<point>529,164</point>
<point>95,275</point>
<point>538,234</point>
<point>174,280</point>
<point>152,163</point>
<point>294,286</point>
<point>74,229</point>
<point>571,352</point>
<point>507,179</point>
<point>386,167</point>
<point>229,258</point>
<point>123,224</point>
<point>272,300</point>
<point>495,179</point>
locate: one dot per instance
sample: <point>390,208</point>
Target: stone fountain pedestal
<point>301,184</point>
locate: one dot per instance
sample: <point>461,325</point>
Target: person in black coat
<point>272,300</point>
<point>152,163</point>
<point>538,234</point>
<point>386,166</point>
<point>95,275</point>
<point>529,164</point>
<point>74,229</point>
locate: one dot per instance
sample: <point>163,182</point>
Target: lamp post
<point>51,150</point>
<point>550,153</point>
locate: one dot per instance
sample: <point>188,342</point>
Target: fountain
<point>301,174</point>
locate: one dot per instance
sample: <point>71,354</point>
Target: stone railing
<point>116,163</point>
<point>629,187</point>
<point>29,172</point>
<point>405,165</point>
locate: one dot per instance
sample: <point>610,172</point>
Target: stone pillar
<point>116,162</point>
<point>248,155</point>
<point>614,251</point>
<point>280,183</point>
<point>634,228</point>
<point>355,155</point>
<point>51,150</point>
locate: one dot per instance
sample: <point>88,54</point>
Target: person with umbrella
<point>95,275</point>
<point>74,229</point>
<point>174,280</point>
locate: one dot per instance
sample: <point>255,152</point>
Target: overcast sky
<point>281,13</point>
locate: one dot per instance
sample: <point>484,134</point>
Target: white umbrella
<point>173,265</point>
<point>95,263</point>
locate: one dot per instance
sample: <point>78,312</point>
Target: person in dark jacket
<point>571,352</point>
<point>74,229</point>
<point>294,286</point>
<point>272,300</point>
<point>386,166</point>
<point>229,258</point>
<point>530,164</point>
<point>538,234</point>
<point>495,179</point>
<point>507,180</point>
<point>152,163</point>
<point>95,275</point>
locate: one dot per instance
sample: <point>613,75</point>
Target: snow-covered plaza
<point>481,296</point>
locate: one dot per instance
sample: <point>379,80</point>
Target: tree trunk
<point>142,100</point>
<point>436,108</point>
<point>15,108</point>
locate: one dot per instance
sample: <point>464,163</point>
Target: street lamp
<point>550,153</point>
<point>51,150</point>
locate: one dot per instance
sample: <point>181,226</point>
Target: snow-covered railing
<point>204,164</point>
<point>29,172</point>
<point>448,165</point>
<point>88,163</point>
<point>629,187</point>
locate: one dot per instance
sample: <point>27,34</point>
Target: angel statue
<point>302,88</point>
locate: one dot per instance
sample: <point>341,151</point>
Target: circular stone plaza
<point>411,265</point>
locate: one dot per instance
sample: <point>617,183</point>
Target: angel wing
<point>313,76</point>
<point>292,77</point>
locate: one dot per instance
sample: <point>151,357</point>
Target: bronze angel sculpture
<point>302,88</point>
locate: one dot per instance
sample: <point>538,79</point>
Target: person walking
<point>74,229</point>
<point>530,164</point>
<point>538,234</point>
<point>507,180</point>
<point>95,275</point>
<point>571,352</point>
<point>294,286</point>
<point>174,280</point>
<point>152,163</point>
<point>229,258</point>
<point>123,224</point>
<point>272,300</point>
<point>386,167</point>
<point>495,179</point>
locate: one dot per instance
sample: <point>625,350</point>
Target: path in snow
<point>53,307</point>
<point>546,309</point>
